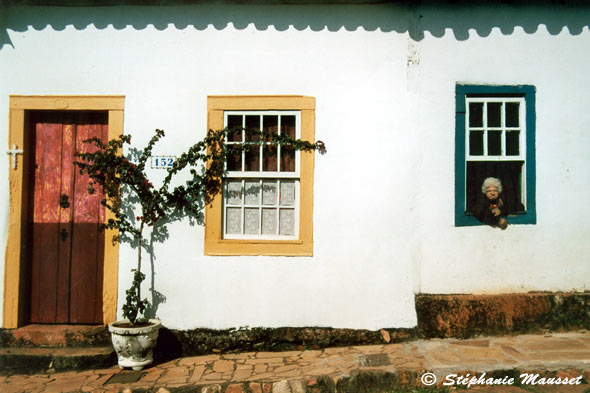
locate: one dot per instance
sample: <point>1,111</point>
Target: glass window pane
<point>252,157</point>
<point>287,222</point>
<point>512,117</point>
<point>270,124</point>
<point>234,121</point>
<point>269,158</point>
<point>494,114</point>
<point>494,143</point>
<point>234,161</point>
<point>252,221</point>
<point>287,193</point>
<point>476,143</point>
<point>252,124</point>
<point>269,193</point>
<point>269,221</point>
<point>513,143</point>
<point>287,159</point>
<point>288,126</point>
<point>234,192</point>
<point>252,193</point>
<point>233,220</point>
<point>475,114</point>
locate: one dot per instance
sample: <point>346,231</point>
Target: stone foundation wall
<point>439,316</point>
<point>204,341</point>
<point>465,316</point>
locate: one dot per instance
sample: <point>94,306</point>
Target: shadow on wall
<point>415,17</point>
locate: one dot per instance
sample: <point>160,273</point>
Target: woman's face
<point>492,192</point>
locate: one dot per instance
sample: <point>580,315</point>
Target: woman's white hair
<point>491,181</point>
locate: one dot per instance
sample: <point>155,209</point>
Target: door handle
<point>63,234</point>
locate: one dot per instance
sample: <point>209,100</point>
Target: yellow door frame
<point>15,273</point>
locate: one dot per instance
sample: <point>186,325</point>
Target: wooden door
<point>66,239</point>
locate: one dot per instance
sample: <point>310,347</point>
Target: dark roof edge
<point>109,3</point>
<point>104,3</point>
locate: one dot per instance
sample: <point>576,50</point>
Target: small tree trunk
<point>139,238</point>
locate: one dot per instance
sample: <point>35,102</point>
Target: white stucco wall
<point>551,255</point>
<point>383,198</point>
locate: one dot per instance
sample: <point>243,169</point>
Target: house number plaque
<point>162,162</point>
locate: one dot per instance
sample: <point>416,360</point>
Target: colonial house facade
<point>417,102</point>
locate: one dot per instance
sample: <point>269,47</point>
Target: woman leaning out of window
<point>492,210</point>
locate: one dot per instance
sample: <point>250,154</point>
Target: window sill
<point>235,247</point>
<point>529,218</point>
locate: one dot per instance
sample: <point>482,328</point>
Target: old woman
<point>492,211</point>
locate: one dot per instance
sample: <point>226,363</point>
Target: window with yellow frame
<point>266,207</point>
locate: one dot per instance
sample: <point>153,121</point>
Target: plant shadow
<point>159,234</point>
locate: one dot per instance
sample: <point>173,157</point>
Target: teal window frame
<point>463,91</point>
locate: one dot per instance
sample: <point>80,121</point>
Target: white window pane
<point>287,221</point>
<point>234,192</point>
<point>233,220</point>
<point>269,221</point>
<point>252,221</point>
<point>287,193</point>
<point>269,193</point>
<point>252,192</point>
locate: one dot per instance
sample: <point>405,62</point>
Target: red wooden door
<point>67,242</point>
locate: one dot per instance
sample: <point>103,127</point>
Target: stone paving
<point>560,355</point>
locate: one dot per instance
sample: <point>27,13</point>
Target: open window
<point>495,137</point>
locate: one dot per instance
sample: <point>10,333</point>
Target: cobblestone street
<point>387,368</point>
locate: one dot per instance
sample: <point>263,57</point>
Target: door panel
<point>45,218</point>
<point>67,240</point>
<point>88,239</point>
<point>65,223</point>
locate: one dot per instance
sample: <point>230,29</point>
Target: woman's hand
<point>496,211</point>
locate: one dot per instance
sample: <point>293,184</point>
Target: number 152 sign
<point>162,162</point>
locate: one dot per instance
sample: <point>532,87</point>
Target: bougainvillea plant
<point>125,182</point>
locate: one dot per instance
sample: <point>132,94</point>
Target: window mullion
<point>261,149</point>
<point>243,208</point>
<point>242,152</point>
<point>523,130</point>
<point>260,222</point>
<point>503,126</point>
<point>523,151</point>
<point>467,130</point>
<point>296,216</point>
<point>485,129</point>
<point>224,223</point>
<point>278,204</point>
<point>297,152</point>
<point>279,132</point>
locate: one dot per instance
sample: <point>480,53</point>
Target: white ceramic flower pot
<point>135,345</point>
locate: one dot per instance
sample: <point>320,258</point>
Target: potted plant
<point>136,205</point>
